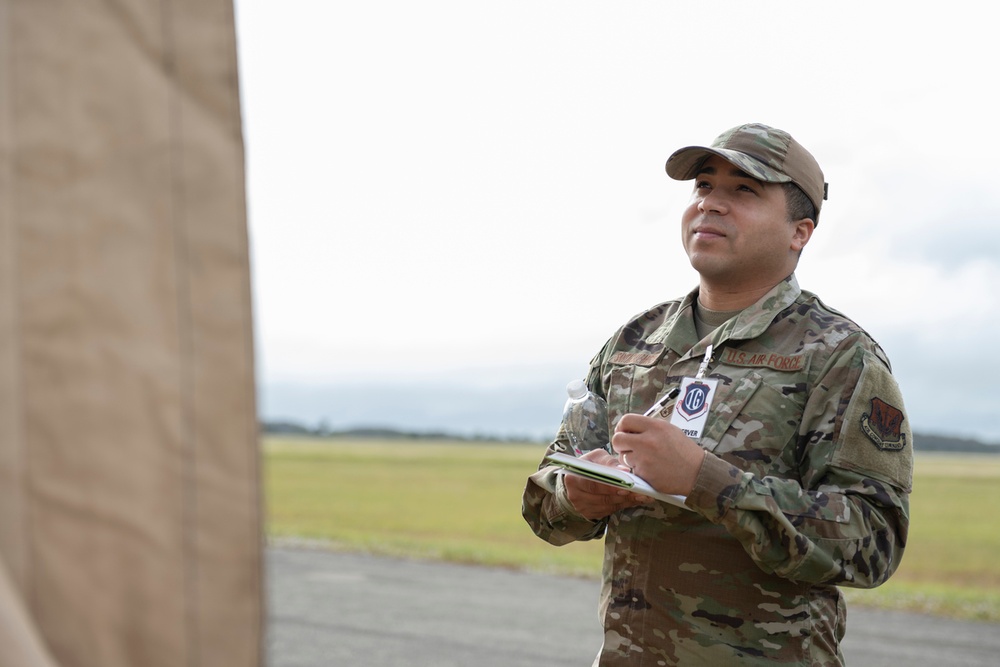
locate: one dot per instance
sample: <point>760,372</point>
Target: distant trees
<point>922,442</point>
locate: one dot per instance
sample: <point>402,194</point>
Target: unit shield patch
<point>883,425</point>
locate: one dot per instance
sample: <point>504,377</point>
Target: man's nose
<point>713,202</point>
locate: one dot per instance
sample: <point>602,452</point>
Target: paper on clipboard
<point>611,476</point>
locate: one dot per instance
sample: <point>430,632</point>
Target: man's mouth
<point>707,231</point>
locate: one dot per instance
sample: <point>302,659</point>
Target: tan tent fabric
<point>19,641</point>
<point>129,481</point>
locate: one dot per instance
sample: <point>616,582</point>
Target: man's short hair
<point>798,204</point>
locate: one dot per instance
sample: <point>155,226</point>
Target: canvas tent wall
<point>129,481</point>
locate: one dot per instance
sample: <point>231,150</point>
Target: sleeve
<point>544,504</point>
<point>845,519</point>
<point>547,510</point>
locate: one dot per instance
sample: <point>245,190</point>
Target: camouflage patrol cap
<point>766,153</point>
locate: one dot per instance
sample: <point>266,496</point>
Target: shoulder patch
<point>883,425</point>
<point>873,433</point>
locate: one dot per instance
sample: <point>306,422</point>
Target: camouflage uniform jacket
<point>804,488</point>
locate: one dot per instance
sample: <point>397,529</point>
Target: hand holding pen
<point>662,409</point>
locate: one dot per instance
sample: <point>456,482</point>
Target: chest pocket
<point>634,382</point>
<point>754,420</point>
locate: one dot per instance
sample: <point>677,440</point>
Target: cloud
<point>449,185</point>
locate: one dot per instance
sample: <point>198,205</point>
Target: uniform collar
<point>678,332</point>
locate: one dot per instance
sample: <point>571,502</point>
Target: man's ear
<point>803,231</point>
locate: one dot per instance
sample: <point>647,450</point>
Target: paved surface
<point>329,608</point>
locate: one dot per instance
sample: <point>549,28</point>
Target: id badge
<point>691,410</point>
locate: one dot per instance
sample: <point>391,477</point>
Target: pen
<point>662,402</point>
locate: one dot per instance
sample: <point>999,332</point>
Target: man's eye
<point>701,184</point>
<point>746,188</point>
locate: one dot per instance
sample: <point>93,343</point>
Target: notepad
<point>616,477</point>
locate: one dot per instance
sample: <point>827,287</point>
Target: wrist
<point>566,507</point>
<point>694,471</point>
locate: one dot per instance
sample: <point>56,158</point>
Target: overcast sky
<point>473,192</point>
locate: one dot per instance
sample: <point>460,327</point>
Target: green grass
<point>454,501</point>
<point>461,502</point>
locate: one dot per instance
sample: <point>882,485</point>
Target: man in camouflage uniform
<point>796,484</point>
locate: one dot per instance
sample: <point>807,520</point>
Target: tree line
<point>923,442</point>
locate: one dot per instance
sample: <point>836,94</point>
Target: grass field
<point>461,502</point>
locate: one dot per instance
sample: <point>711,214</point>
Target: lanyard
<point>703,368</point>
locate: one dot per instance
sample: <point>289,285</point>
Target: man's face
<point>736,230</point>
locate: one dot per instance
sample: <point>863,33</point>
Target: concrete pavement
<point>332,608</point>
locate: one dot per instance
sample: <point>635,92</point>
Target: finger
<point>622,443</point>
<point>592,488</point>
<point>633,423</point>
<point>629,423</point>
<point>602,457</point>
<point>634,501</point>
